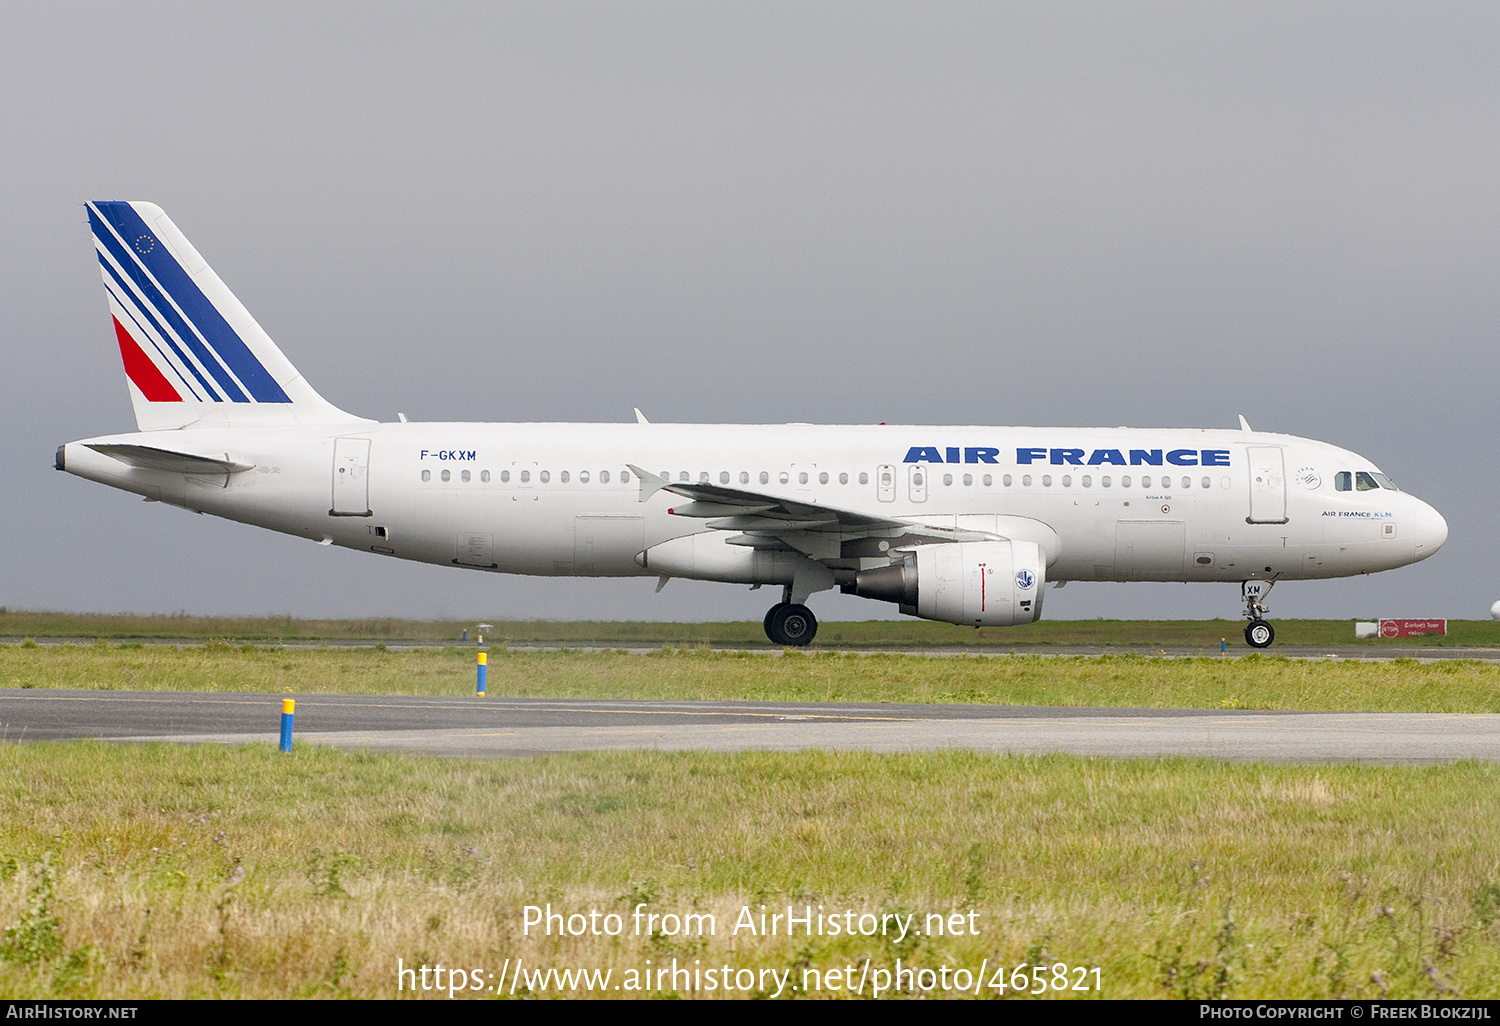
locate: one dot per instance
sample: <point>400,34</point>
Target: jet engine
<point>980,584</point>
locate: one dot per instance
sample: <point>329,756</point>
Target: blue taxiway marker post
<point>1222,642</point>
<point>288,707</point>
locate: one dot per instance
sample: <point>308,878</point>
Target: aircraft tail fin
<point>193,354</point>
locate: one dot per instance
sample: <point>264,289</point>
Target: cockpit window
<point>1362,481</point>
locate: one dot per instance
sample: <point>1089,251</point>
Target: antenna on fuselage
<point>1245,424</point>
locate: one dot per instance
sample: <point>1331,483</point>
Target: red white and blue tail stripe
<point>192,352</point>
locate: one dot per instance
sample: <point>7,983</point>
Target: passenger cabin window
<point>744,477</point>
<point>484,476</point>
<point>843,479</point>
<point>864,478</point>
<point>765,478</point>
<point>604,477</point>
<point>544,476</point>
<point>525,476</point>
<point>802,478</point>
<point>968,479</point>
<point>785,477</point>
<point>823,477</point>
<point>504,477</point>
<point>463,475</point>
<point>988,480</point>
<point>948,479</point>
<point>426,475</point>
<point>723,477</point>
<point>447,475</point>
<point>583,476</point>
<point>563,477</point>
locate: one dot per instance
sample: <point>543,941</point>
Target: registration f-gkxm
<point>965,525</point>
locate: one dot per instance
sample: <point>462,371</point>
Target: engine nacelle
<point>980,584</point>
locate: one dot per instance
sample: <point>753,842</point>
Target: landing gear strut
<point>1258,633</point>
<point>789,623</point>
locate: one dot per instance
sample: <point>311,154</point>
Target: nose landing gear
<point>1258,633</point>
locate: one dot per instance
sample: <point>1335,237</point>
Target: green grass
<point>159,871</point>
<point>1213,682</point>
<point>909,633</point>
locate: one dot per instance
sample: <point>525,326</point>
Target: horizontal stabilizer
<point>148,457</point>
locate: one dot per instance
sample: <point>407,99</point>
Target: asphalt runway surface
<point>509,727</point>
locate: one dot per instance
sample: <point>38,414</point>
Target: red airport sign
<point>1412,628</point>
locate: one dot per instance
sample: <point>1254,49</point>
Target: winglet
<point>1244,424</point>
<point>650,483</point>
<point>640,418</point>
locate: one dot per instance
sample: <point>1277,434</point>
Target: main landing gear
<point>1258,632</point>
<point>790,623</point>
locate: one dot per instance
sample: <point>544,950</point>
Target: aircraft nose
<point>1432,531</point>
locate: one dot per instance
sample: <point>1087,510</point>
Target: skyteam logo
<point>1025,579</point>
<point>176,344</point>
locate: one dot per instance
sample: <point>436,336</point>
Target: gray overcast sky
<point>1052,214</point>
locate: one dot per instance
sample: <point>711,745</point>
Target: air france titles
<point>1067,457</point>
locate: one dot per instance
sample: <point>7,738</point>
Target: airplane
<point>965,525</point>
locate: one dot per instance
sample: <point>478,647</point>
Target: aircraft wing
<point>822,532</point>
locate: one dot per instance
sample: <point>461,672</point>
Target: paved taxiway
<point>511,727</point>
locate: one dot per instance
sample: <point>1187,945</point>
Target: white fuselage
<point>558,499</point>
